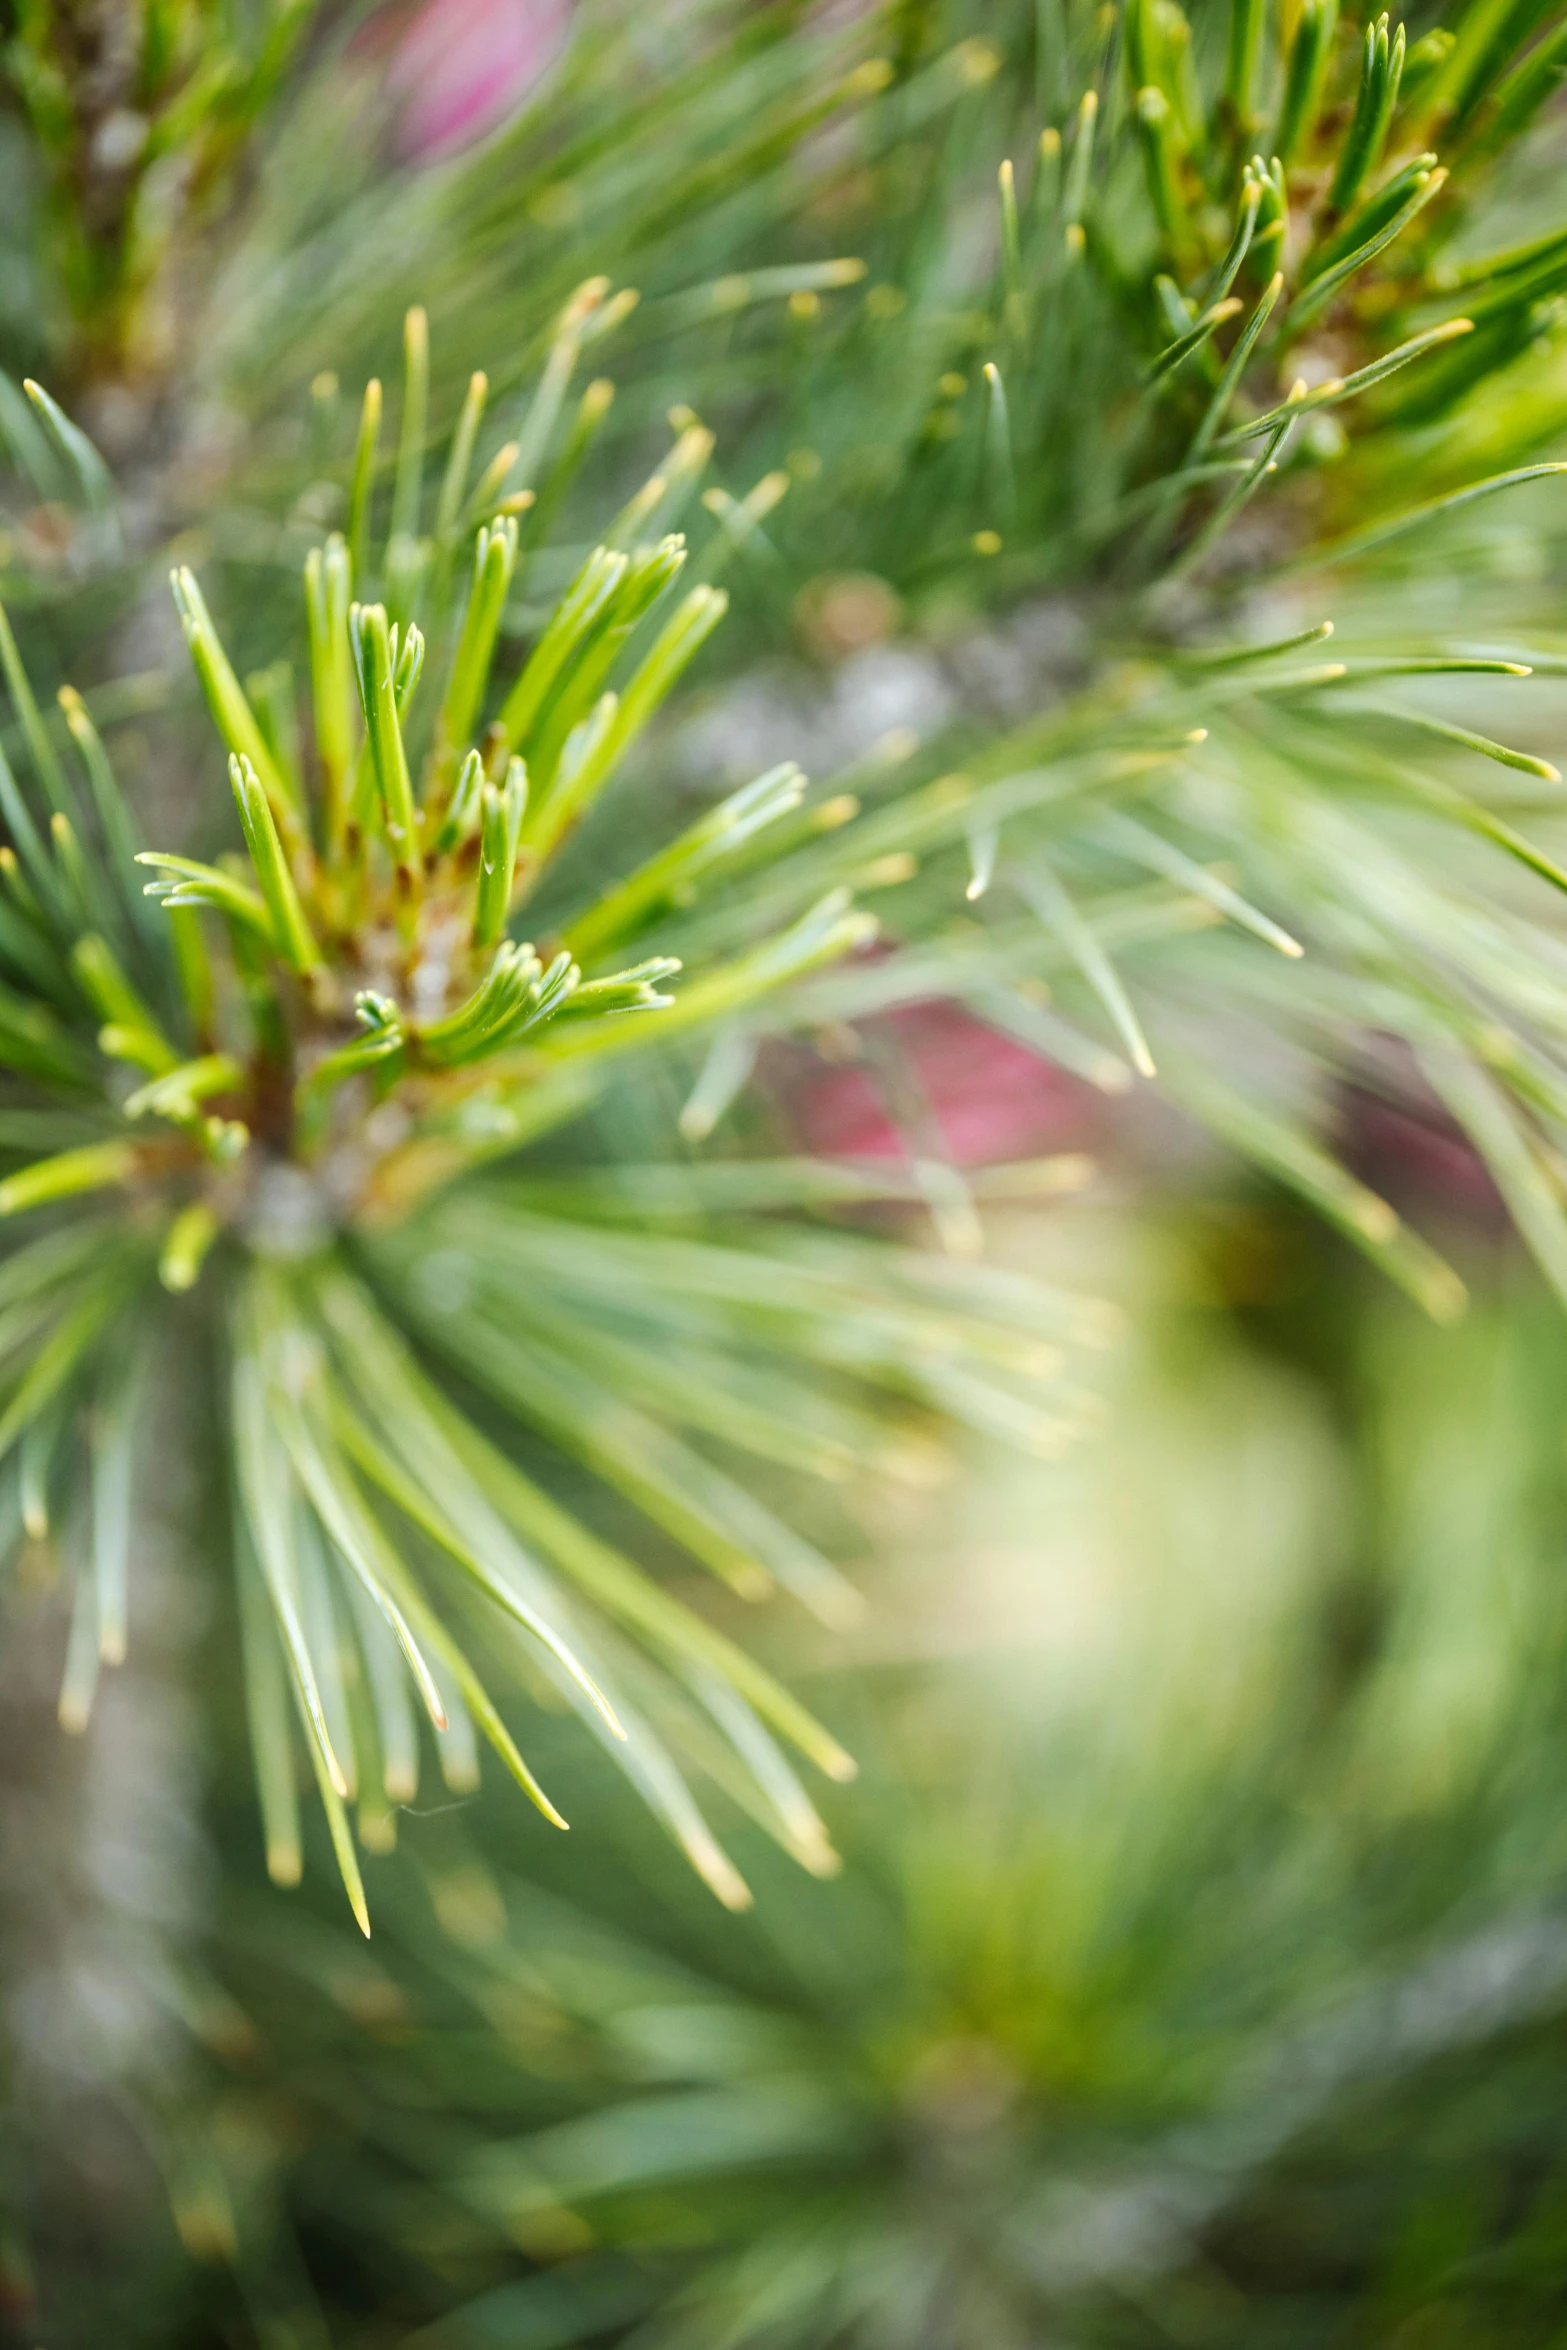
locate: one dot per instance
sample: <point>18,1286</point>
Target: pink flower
<point>1416,1157</point>
<point>462,66</point>
<point>992,1099</point>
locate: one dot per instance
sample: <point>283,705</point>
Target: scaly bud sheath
<point>328,593</point>
<point>494,558</point>
<point>376,664</point>
<point>294,937</point>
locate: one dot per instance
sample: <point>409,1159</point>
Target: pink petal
<point>465,65</point>
<point>992,1099</point>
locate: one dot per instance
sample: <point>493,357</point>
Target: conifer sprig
<point>1229,342</point>
<point>263,1100</point>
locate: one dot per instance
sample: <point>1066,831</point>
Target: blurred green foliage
<point>1196,1970</point>
<point>1197,1964</point>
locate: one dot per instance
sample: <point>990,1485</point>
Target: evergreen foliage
<point>414,1142</point>
<point>289,1058</point>
<point>1197,1959</point>
<point>1220,408</point>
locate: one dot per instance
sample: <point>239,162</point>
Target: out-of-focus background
<point>1198,1965</point>
<point>1196,1974</point>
